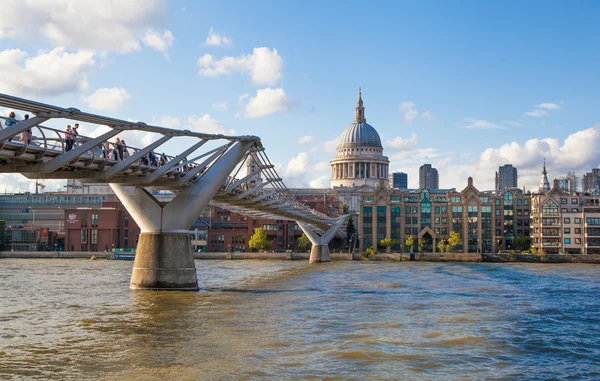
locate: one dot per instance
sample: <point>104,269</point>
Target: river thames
<point>77,319</point>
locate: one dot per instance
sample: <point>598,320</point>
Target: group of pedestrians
<point>26,136</point>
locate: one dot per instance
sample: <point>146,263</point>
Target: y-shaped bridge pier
<point>164,258</point>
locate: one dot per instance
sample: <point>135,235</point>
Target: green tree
<point>259,240</point>
<point>454,240</point>
<point>521,243</point>
<point>345,208</point>
<point>443,246</point>
<point>410,242</point>
<point>350,229</point>
<point>2,234</point>
<point>304,243</point>
<point>386,242</point>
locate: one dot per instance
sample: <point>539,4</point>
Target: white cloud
<point>542,110</point>
<point>220,106</point>
<point>320,182</point>
<point>48,73</point>
<point>409,111</point>
<point>401,143</point>
<point>321,166</point>
<point>548,106</point>
<point>427,115</point>
<point>99,26</point>
<point>266,102</point>
<point>537,113</point>
<point>298,165</point>
<point>263,65</point>
<point>207,125</point>
<point>331,145</point>
<point>166,121</point>
<point>157,41</point>
<point>417,155</point>
<point>215,39</point>
<point>480,123</point>
<point>305,139</point>
<point>110,99</point>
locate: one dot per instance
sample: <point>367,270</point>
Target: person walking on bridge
<point>69,138</point>
<point>11,121</point>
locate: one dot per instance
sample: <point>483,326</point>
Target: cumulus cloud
<point>266,102</point>
<point>411,113</point>
<point>305,139</point>
<point>480,123</point>
<point>166,121</point>
<point>321,166</point>
<point>320,182</point>
<point>157,41</point>
<point>48,73</point>
<point>99,26</point>
<point>207,125</point>
<point>215,39</point>
<point>401,143</point>
<point>220,106</point>
<point>264,66</point>
<point>109,99</point>
<point>298,165</point>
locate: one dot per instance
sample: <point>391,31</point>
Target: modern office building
<point>591,181</point>
<point>506,178</point>
<point>564,223</point>
<point>400,180</point>
<point>428,177</point>
<point>359,159</point>
<point>486,221</point>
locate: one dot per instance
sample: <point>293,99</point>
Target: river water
<point>77,319</point>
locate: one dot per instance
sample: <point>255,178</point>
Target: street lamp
<point>33,210</point>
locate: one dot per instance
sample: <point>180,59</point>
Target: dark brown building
<point>100,229</point>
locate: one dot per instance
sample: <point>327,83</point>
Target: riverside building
<point>566,223</point>
<point>486,221</point>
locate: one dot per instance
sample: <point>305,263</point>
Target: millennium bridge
<point>164,258</point>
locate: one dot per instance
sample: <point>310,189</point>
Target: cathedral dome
<point>360,134</point>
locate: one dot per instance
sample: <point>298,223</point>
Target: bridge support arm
<point>163,258</point>
<point>320,245</point>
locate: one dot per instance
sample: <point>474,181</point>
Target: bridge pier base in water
<point>164,261</point>
<point>319,251</point>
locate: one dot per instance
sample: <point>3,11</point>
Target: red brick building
<point>100,229</point>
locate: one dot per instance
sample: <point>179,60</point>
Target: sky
<point>465,85</point>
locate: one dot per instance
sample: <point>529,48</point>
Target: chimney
<point>470,181</point>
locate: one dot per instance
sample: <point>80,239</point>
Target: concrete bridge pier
<point>164,258</point>
<point>319,251</point>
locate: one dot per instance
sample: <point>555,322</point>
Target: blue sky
<point>466,86</point>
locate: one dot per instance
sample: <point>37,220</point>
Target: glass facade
<point>367,235</point>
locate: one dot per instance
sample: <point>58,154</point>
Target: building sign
<point>72,218</point>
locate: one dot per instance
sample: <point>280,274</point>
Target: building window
<point>567,241</point>
<point>414,210</point>
<point>526,202</point>
<point>94,220</point>
<point>574,210</point>
<point>408,220</point>
<point>84,236</point>
<point>577,230</point>
<point>578,241</point>
<point>519,202</point>
<point>444,220</point>
<point>550,208</point>
<point>94,236</point>
<point>83,220</point>
<point>567,230</point>
<point>578,221</point>
<point>408,210</point>
<point>574,201</point>
<point>567,220</point>
<point>497,212</point>
<point>563,201</point>
<point>443,209</point>
<point>437,210</point>
<point>415,220</point>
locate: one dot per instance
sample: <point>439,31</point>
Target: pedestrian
<point>11,121</point>
<point>152,158</point>
<point>162,160</point>
<point>118,151</point>
<point>26,135</point>
<point>125,153</point>
<point>105,149</point>
<point>75,134</point>
<point>69,139</point>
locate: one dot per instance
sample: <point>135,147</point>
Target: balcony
<point>551,244</point>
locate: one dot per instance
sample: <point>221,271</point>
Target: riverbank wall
<point>382,257</point>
